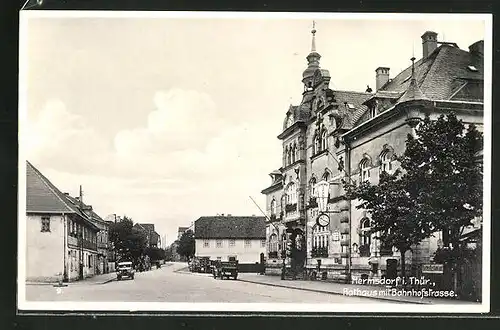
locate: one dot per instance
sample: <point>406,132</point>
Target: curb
<point>337,293</point>
<point>107,281</point>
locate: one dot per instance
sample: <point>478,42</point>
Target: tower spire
<point>412,67</point>
<point>313,31</point>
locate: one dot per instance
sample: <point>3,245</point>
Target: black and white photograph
<point>260,162</point>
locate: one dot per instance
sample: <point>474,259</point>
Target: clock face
<point>323,220</point>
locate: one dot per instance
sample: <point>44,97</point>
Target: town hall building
<point>335,135</point>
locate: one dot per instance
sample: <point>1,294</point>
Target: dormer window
<point>472,68</point>
<point>350,106</point>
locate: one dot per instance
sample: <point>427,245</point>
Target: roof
<point>42,196</point>
<point>148,226</point>
<point>182,229</point>
<point>230,227</point>
<point>440,75</point>
<point>356,99</point>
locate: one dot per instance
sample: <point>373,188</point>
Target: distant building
<point>232,237</point>
<point>152,237</point>
<point>61,240</point>
<point>181,231</point>
<point>103,244</point>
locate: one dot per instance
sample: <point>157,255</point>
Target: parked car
<point>225,269</point>
<point>204,265</point>
<point>125,269</point>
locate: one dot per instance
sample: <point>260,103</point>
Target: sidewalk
<point>369,292</point>
<point>97,279</point>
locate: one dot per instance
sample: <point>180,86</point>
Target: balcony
<point>319,252</point>
<point>313,203</point>
<point>289,208</point>
<point>89,245</point>
<point>273,255</point>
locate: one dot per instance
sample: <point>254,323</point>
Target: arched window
<point>291,194</point>
<point>364,167</point>
<point>285,156</point>
<point>386,160</point>
<point>273,207</point>
<point>316,144</point>
<point>292,151</point>
<point>326,175</point>
<point>312,187</point>
<point>324,141</point>
<point>273,244</point>
<point>296,153</point>
<point>289,155</point>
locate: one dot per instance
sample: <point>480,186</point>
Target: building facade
<point>61,240</point>
<point>152,237</point>
<point>232,238</point>
<point>342,135</point>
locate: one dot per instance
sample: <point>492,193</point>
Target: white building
<point>61,241</point>
<point>232,237</point>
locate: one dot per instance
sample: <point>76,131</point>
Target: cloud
<point>185,161</point>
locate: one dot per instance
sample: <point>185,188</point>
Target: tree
<point>394,214</point>
<point>439,187</point>
<point>186,244</point>
<point>441,162</point>
<point>129,242</point>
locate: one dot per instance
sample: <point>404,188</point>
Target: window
<point>45,224</point>
<point>232,242</point>
<point>273,207</point>
<point>312,190</point>
<point>385,162</point>
<point>231,258</point>
<point>263,243</point>
<point>324,141</point>
<point>317,145</point>
<point>291,194</point>
<point>292,152</point>
<point>273,243</point>
<point>321,238</point>
<point>218,243</point>
<point>219,258</point>
<point>206,243</point>
<point>365,170</point>
<point>248,243</point>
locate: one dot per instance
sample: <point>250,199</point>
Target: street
<point>167,285</point>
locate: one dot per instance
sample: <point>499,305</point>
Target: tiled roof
<point>441,74</point>
<point>42,196</point>
<point>356,99</point>
<point>148,226</point>
<point>230,227</point>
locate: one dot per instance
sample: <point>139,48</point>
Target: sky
<point>168,119</point>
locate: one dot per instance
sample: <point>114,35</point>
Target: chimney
<point>381,77</point>
<point>429,43</point>
<point>477,48</point>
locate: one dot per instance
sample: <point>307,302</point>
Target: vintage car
<point>125,269</point>
<point>204,265</point>
<point>225,269</point>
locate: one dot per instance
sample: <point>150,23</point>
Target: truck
<point>225,269</point>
